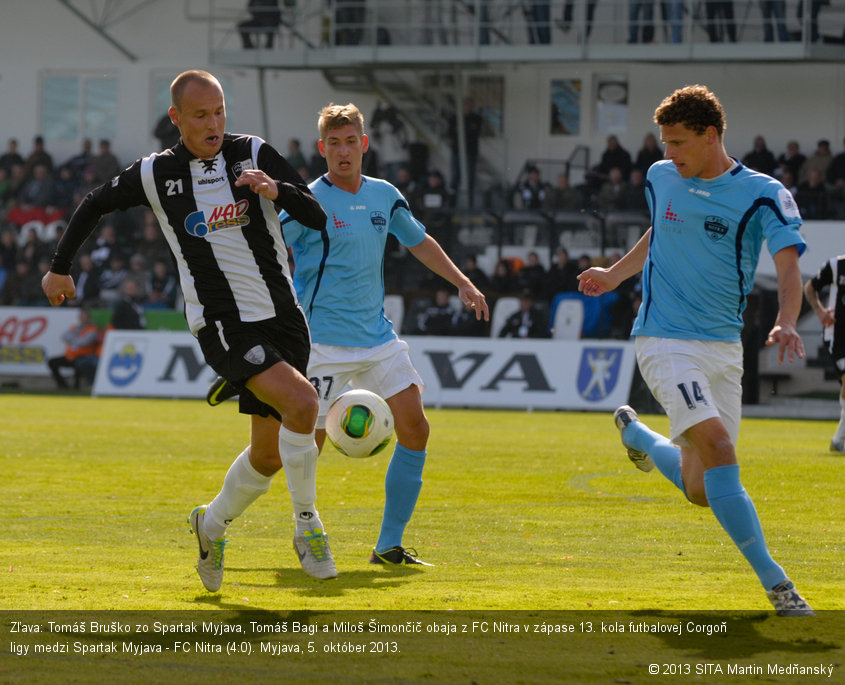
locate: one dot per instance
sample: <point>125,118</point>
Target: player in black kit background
<point>217,197</point>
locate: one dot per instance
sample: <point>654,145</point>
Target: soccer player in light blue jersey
<point>710,216</point>
<point>339,279</point>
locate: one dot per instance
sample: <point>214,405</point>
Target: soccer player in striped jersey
<point>710,216</point>
<point>340,281</point>
<point>217,197</point>
<point>832,316</point>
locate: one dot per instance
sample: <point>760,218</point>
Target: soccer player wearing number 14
<point>710,216</point>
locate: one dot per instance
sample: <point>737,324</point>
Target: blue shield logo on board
<point>598,372</point>
<point>125,366</point>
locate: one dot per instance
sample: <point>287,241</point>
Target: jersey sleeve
<point>124,191</point>
<point>294,196</point>
<point>781,225</point>
<point>408,231</point>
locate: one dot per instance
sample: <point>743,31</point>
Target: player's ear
<point>173,113</point>
<point>321,147</point>
<point>365,143</point>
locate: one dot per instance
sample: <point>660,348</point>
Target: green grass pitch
<point>519,512</point>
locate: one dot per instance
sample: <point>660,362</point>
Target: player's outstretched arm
<point>784,334</point>
<point>432,255</point>
<point>598,280</point>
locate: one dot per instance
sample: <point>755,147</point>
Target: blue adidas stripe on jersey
<point>339,275</point>
<point>705,244</point>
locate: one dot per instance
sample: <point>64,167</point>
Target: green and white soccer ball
<point>359,424</point>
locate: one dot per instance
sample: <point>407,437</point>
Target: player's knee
<point>265,461</point>
<point>413,433</point>
<point>697,495</point>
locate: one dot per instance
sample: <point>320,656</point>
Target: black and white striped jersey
<point>832,276</point>
<point>226,240</point>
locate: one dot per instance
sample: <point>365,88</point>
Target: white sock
<point>299,458</point>
<point>241,487</point>
<point>840,429</point>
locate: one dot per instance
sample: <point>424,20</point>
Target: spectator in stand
<point>5,188</point>
<point>820,160</point>
<point>316,163</point>
<point>152,245</point>
<point>533,191</point>
<point>529,322</point>
<point>85,184</point>
<point>646,8</point>
<point>162,286</point>
<point>584,262</point>
<point>39,155</point>
<point>611,195</point>
<point>87,280</point>
<point>11,156</point>
<point>405,183</point>
<point>79,161</point>
<point>649,153</point>
<point>502,280</point>
<point>633,197</point>
<point>614,155</point>
<point>471,270</point>
<point>139,273</point>
<point>294,156</point>
<point>532,276</point>
<point>32,248</point>
<point>64,189</point>
<point>836,171</point>
<point>563,197</point>
<point>105,163</point>
<point>166,132</point>
<point>8,254</point>
<point>793,159</point>
<point>433,206</point>
<point>774,12</point>
<point>265,16</point>
<point>104,246</point>
<point>724,9</point>
<point>760,158</point>
<point>127,311</point>
<point>38,190</point>
<point>788,181</point>
<point>20,288</point>
<point>563,275</point>
<point>82,352</point>
<point>113,277</point>
<point>437,319</point>
<point>813,198</point>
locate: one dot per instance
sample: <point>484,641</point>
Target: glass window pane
<point>60,107</point>
<point>100,108</point>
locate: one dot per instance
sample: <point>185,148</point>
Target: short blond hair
<point>334,116</point>
<point>177,88</point>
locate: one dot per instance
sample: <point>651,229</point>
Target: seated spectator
<point>166,132</point>
<point>294,156</point>
<point>405,183</point>
<point>437,318</point>
<point>788,181</point>
<point>87,280</point>
<point>38,190</point>
<point>39,155</point>
<point>502,280</point>
<point>82,352</point>
<point>32,249</point>
<point>8,254</point>
<point>836,172</point>
<point>471,270</point>
<point>614,155</point>
<point>152,245</point>
<point>813,198</point>
<point>584,262</point>
<point>563,197</point>
<point>433,207</point>
<point>162,286</point>
<point>105,163</point>
<point>85,184</point>
<point>529,322</point>
<point>532,192</point>
<point>760,158</point>
<point>633,197</point>
<point>532,276</point>
<point>79,161</point>
<point>820,160</point>
<point>23,285</point>
<point>611,195</point>
<point>112,277</point>
<point>64,189</point>
<point>105,244</point>
<point>648,154</point>
<point>139,273</point>
<point>6,188</point>
<point>127,311</point>
<point>11,156</point>
<point>792,159</point>
<point>563,275</point>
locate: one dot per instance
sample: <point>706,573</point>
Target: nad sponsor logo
<point>125,365</point>
<point>379,221</point>
<point>716,227</point>
<point>232,215</point>
<point>598,372</point>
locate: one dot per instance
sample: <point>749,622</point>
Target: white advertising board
<point>29,336</point>
<point>457,372</point>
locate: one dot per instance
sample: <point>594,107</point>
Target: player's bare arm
<point>259,183</point>
<point>597,280</point>
<point>58,287</point>
<point>784,333</point>
<point>432,255</point>
<point>825,314</point>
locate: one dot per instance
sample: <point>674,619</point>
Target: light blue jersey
<point>705,244</point>
<point>339,274</point>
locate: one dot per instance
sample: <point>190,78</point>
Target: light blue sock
<point>402,485</point>
<point>735,511</point>
<point>665,455</point>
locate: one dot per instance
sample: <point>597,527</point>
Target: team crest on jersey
<point>233,215</point>
<point>239,167</point>
<point>598,372</point>
<point>716,227</point>
<point>379,221</point>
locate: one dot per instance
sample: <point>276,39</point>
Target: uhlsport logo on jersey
<point>125,365</point>
<point>598,372</point>
<point>379,221</point>
<point>232,215</point>
<point>716,227</point>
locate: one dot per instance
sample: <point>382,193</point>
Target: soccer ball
<point>359,424</point>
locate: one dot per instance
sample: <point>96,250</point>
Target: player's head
<point>342,140</point>
<point>198,109</point>
<point>692,124</point>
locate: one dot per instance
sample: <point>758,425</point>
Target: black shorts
<point>240,350</point>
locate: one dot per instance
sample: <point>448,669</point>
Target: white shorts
<point>693,380</point>
<point>385,370</point>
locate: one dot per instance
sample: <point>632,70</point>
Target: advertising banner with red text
<point>29,336</point>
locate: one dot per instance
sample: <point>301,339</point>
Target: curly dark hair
<point>694,107</point>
